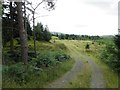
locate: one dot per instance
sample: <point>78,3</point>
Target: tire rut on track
<point>69,76</point>
<point>97,75</point>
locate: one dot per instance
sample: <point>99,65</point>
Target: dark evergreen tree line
<point>76,37</point>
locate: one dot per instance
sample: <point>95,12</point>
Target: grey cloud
<point>80,26</point>
<point>103,4</point>
<point>114,11</point>
<point>100,4</point>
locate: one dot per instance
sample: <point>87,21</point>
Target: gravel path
<point>97,75</point>
<point>96,79</point>
<point>69,76</point>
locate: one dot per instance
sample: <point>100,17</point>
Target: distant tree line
<point>75,37</point>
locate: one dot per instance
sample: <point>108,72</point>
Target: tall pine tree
<point>22,33</point>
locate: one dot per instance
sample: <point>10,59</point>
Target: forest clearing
<point>82,70</point>
<point>35,55</point>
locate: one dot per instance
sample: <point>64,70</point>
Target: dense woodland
<point>22,59</point>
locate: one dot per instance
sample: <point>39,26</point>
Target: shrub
<point>87,46</point>
<point>61,56</point>
<point>18,73</point>
<point>47,59</point>
<point>21,74</point>
<point>44,60</point>
<point>109,56</point>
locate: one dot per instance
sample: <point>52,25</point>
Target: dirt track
<point>96,77</point>
<point>69,76</point>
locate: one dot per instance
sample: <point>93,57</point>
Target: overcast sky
<point>84,17</point>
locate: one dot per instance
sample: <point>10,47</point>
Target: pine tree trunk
<point>23,33</point>
<point>11,32</point>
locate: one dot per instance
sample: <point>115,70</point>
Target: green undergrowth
<point>51,62</point>
<point>10,58</point>
<point>38,72</point>
<point>39,78</point>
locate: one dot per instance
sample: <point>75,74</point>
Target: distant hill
<point>107,36</point>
